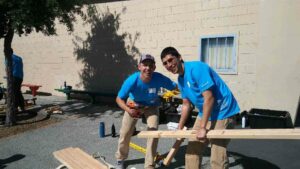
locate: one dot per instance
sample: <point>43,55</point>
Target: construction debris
<point>54,110</point>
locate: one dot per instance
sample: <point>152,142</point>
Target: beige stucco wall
<point>278,59</point>
<point>50,61</point>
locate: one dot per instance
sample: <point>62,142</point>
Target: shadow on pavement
<point>23,117</point>
<point>135,161</point>
<point>81,109</point>
<point>74,108</point>
<point>239,160</point>
<point>11,159</point>
<point>251,162</point>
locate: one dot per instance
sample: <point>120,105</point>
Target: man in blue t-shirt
<point>18,74</point>
<point>200,85</point>
<point>139,95</point>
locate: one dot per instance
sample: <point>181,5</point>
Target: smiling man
<point>139,95</point>
<point>202,86</point>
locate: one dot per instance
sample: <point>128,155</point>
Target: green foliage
<point>24,16</point>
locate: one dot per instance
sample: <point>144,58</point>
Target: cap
<point>145,57</point>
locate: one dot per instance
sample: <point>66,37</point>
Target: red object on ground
<point>33,88</point>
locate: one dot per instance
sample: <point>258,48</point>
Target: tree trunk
<point>10,110</point>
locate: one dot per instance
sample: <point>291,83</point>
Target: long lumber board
<point>75,158</point>
<point>226,134</point>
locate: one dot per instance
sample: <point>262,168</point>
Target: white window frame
<point>234,57</point>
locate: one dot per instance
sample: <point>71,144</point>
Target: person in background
<point>139,95</point>
<point>201,85</point>
<point>18,75</point>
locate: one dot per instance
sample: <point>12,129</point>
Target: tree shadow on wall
<point>107,59</point>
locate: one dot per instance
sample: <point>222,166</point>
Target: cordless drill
<point>135,106</point>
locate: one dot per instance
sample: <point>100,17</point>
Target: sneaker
<point>120,164</point>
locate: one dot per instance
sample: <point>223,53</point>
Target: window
<point>219,52</point>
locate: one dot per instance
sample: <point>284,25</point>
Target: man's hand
<point>135,113</point>
<point>201,134</point>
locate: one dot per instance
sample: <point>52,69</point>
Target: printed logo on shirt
<point>188,83</point>
<point>204,84</point>
<point>151,90</point>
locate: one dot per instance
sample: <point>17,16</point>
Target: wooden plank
<point>75,158</point>
<point>93,162</point>
<point>167,161</point>
<point>227,134</point>
<point>64,157</point>
<point>70,159</point>
<point>173,151</point>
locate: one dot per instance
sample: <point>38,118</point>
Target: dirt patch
<point>27,120</point>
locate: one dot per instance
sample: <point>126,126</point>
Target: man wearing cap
<point>141,89</point>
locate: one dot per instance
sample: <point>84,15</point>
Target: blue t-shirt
<point>199,77</point>
<point>17,66</point>
<point>145,93</point>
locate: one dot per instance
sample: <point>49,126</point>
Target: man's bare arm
<point>207,108</point>
<point>186,107</point>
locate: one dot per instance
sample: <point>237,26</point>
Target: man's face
<point>146,68</point>
<point>172,63</point>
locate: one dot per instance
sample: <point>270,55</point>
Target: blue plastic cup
<point>102,129</point>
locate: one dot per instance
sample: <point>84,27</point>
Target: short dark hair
<point>169,51</point>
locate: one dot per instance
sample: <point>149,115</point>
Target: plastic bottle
<point>113,130</point>
<point>243,121</point>
<point>102,129</point>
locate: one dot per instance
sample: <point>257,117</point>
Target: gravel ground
<point>33,149</point>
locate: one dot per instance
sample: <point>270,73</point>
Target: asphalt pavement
<point>80,128</point>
